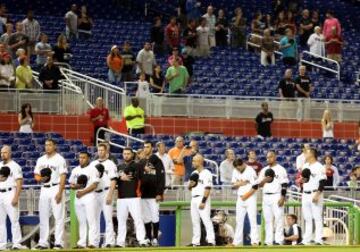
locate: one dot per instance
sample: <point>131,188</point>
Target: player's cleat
<point>301,244</point>
<point>39,247</point>
<point>79,247</point>
<point>108,246</point>
<point>277,244</point>
<point>255,244</point>
<point>19,247</point>
<point>155,243</point>
<point>209,244</point>
<point>193,245</point>
<point>91,247</point>
<point>58,247</point>
<point>145,243</point>
<point>318,244</point>
<point>119,246</point>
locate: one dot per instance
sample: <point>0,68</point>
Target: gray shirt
<point>226,171</point>
<point>147,60</point>
<point>72,21</point>
<point>41,58</point>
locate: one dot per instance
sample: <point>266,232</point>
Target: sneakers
<point>155,243</point>
<point>145,243</point>
<point>39,247</point>
<point>193,245</point>
<point>57,247</point>
<point>91,247</point>
<point>19,247</point>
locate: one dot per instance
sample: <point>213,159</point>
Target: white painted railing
<point>250,43</point>
<point>146,125</point>
<point>318,64</point>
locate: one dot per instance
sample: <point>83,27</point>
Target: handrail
<point>258,46</point>
<point>338,197</point>
<point>337,72</point>
<point>63,64</point>
<point>144,125</point>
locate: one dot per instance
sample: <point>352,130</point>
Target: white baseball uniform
<point>248,206</point>
<point>7,193</point>
<point>197,193</point>
<point>271,209</point>
<point>313,211</point>
<point>47,202</point>
<point>85,207</point>
<point>102,189</point>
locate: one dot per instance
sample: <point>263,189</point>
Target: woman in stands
<point>115,64</point>
<point>280,25</point>
<point>62,51</point>
<point>7,72</point>
<point>332,173</point>
<point>85,23</point>
<point>327,125</point>
<point>157,80</point>
<point>26,119</point>
<point>290,22</point>
<point>257,27</point>
<point>238,29</point>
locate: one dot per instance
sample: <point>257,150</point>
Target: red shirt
<point>95,112</point>
<point>256,165</point>
<point>172,35</point>
<point>333,47</point>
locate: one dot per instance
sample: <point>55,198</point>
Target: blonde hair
<point>327,116</point>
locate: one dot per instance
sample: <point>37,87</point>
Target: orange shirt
<point>115,63</point>
<point>179,168</point>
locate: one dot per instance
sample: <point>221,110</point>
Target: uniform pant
<point>86,214</point>
<point>124,207</point>
<point>150,210</point>
<point>48,206</point>
<point>6,209</point>
<point>273,214</point>
<point>108,216</point>
<point>204,215</point>
<point>242,207</point>
<point>312,211</point>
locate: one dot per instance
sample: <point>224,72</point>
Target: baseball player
<point>200,185</point>
<point>152,190</point>
<point>104,193</point>
<point>244,179</point>
<point>50,171</point>
<point>314,179</point>
<point>129,199</point>
<point>11,181</point>
<point>85,179</point>
<point>274,181</point>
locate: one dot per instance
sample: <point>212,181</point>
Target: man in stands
<point>203,45</point>
<point>329,23</point>
<point>167,162</point>
<point>172,34</point>
<point>157,37</point>
<point>252,162</point>
<point>71,21</point>
<point>210,23</point>
<point>306,27</point>
<point>18,39</point>
<point>135,117</point>
<point>263,121</point>
<point>287,92</point>
<point>178,77</point>
<point>191,151</point>
<point>226,167</point>
<point>42,50</point>
<point>32,31</point>
<point>145,60</point>
<point>288,48</point>
<point>129,61</point>
<point>333,44</point>
<point>304,88</point>
<point>177,154</point>
<point>316,42</point>
<point>100,118</point>
<point>190,37</point>
<point>50,74</point>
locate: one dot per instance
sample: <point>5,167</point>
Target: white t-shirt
<point>110,173</point>
<point>56,163</point>
<point>143,90</point>
<point>205,180</point>
<point>316,44</point>
<point>72,17</point>
<point>147,60</point>
<point>226,171</point>
<point>281,177</point>
<point>317,173</point>
<point>249,175</point>
<point>89,171</point>
<point>203,36</point>
<point>7,71</point>
<point>15,174</point>
<point>300,161</point>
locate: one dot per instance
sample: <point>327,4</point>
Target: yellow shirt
<point>23,74</point>
<point>136,122</point>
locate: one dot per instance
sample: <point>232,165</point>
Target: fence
<point>318,61</point>
<point>249,42</point>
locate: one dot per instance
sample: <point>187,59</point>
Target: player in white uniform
<point>85,201</point>
<point>312,197</point>
<point>10,189</point>
<point>274,180</point>
<point>244,179</point>
<point>105,192</point>
<point>200,184</point>
<point>52,195</point>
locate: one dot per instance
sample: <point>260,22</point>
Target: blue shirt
<point>289,52</point>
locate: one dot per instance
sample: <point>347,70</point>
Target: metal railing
<point>152,128</point>
<point>252,44</point>
<point>317,63</point>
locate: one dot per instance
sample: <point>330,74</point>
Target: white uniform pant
<point>312,211</point>
<point>204,215</point>
<point>86,214</point>
<point>273,214</point>
<point>48,206</point>
<point>150,210</point>
<point>124,207</point>
<point>108,216</point>
<point>6,209</point>
<point>242,207</point>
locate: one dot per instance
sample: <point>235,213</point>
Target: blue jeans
<point>114,77</point>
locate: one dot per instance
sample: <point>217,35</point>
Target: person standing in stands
<point>100,118</point>
<point>333,45</point>
<point>7,72</point>
<point>226,167</point>
<point>306,27</point>
<point>167,163</point>
<point>304,88</point>
<point>210,23</point>
<point>327,124</point>
<point>4,38</point>
<point>221,29</point>
<point>190,37</point>
<point>238,29</point>
<point>42,50</point>
<point>26,119</point>
<point>135,117</point>
<point>157,80</point>
<point>157,37</point>
<point>129,62</point>
<point>71,21</point>
<point>50,75</point>
<point>267,56</point>
<point>145,60</point>
<point>316,42</point>
<point>332,173</point>
<point>85,23</point>
<point>203,41</point>
<point>329,23</point>
<point>288,47</point>
<point>178,77</point>
<point>177,154</point>
<point>252,162</point>
<point>115,64</point>
<point>190,152</point>
<point>263,121</point>
<point>62,51</point>
<point>24,75</point>
<point>287,94</point>
<point>18,39</point>
<point>32,31</point>
<point>172,34</point>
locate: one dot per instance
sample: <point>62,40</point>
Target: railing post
<point>357,225</point>
<point>178,226</point>
<point>73,221</point>
<point>340,113</point>
<point>262,229</point>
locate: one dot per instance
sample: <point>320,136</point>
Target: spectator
<point>329,23</point>
<point>24,76</point>
<point>327,125</point>
<point>135,117</point>
<point>210,23</point>
<point>71,21</point>
<point>3,50</point>
<point>190,151</point>
<point>315,18</point>
<point>7,72</point>
<point>3,17</point>
<point>190,37</point>
<point>32,31</point>
<point>115,64</point>
<point>263,121</point>
<point>100,118</point>
<point>157,36</point>
<point>203,41</point>
<point>19,54</point>
<point>143,89</point>
<point>167,163</point>
<point>252,161</point>
<point>18,39</point>
<point>188,61</point>
<point>85,24</point>
<point>50,75</point>
<point>316,42</point>
<point>290,22</point>
<point>280,24</point>
<point>193,9</point>
<point>306,27</point>
<point>257,28</point>
<point>221,28</point>
<point>226,167</point>
<point>334,45</point>
<point>269,24</point>
<point>357,142</point>
<point>145,60</point>
<point>292,232</point>
<point>301,159</point>
<point>238,29</point>
<point>177,155</point>
<point>303,83</point>
<point>287,93</point>
<point>172,34</point>
<point>129,62</point>
<point>42,50</point>
<point>26,119</point>
<point>178,78</point>
<point>288,48</point>
<point>175,54</point>
<point>354,178</point>
<point>267,49</point>
<point>62,51</point>
<point>4,39</point>
<point>332,174</point>
<point>157,81</point>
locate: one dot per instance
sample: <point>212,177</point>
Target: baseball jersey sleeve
<point>261,175</point>
<point>37,167</point>
<point>112,170</point>
<point>17,172</point>
<point>283,177</point>
<point>62,166</point>
<point>252,177</point>
<point>72,176</point>
<point>208,180</point>
<point>94,176</point>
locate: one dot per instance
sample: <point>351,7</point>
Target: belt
<point>309,192</point>
<point>271,193</point>
<point>50,185</point>
<point>102,190</point>
<point>5,190</point>
<point>195,196</point>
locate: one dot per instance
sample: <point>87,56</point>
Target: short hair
<point>149,142</point>
<point>238,162</point>
<point>128,149</point>
<point>51,140</point>
<point>159,143</point>
<point>251,151</point>
<point>104,145</point>
<point>85,153</point>
<point>355,168</point>
<point>263,104</point>
<point>272,151</point>
<point>314,152</point>
<point>293,216</point>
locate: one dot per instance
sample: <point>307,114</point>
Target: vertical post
<point>178,226</point>
<point>351,225</point>
<point>73,221</point>
<point>262,232</point>
<point>357,226</point>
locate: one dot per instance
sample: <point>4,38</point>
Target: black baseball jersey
<point>153,181</point>
<point>129,189</point>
